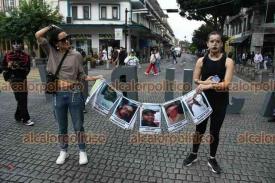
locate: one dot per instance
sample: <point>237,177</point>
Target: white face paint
<point>16,45</point>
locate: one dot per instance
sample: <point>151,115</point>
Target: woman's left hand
<point>99,77</point>
<point>203,87</point>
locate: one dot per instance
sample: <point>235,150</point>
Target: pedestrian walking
<point>152,64</point>
<point>258,58</point>
<point>252,57</point>
<point>121,56</point>
<point>158,60</point>
<point>265,62</point>
<point>131,59</point>
<point>244,58</point>
<point>214,63</point>
<point>174,56</point>
<point>68,96</point>
<point>16,67</point>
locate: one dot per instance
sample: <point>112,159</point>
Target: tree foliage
<point>200,36</point>
<point>28,18</point>
<point>212,12</point>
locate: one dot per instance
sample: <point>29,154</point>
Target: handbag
<point>52,79</point>
<point>152,61</point>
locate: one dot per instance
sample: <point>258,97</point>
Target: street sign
<point>118,34</point>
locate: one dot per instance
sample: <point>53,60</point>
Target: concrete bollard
<point>264,76</point>
<point>187,80</point>
<point>268,106</point>
<point>170,77</point>
<point>125,79</point>
<point>236,105</point>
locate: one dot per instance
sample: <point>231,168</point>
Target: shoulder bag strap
<point>60,64</point>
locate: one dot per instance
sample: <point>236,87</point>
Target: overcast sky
<point>181,26</point>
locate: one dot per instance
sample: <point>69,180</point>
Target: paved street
<point>119,160</point>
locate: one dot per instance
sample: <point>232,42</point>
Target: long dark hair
<point>53,37</point>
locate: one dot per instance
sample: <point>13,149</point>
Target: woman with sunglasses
<point>68,96</point>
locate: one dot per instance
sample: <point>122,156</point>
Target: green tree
<point>212,12</point>
<point>200,36</point>
<point>28,18</point>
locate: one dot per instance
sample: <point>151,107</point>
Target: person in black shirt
<point>148,118</point>
<point>16,67</point>
<point>213,63</point>
<point>121,56</point>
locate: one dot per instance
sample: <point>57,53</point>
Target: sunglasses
<point>63,40</point>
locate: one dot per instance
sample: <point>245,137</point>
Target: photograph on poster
<point>197,105</point>
<point>94,89</point>
<point>150,118</point>
<point>125,112</point>
<point>174,114</point>
<point>105,98</point>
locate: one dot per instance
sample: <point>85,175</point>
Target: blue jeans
<point>72,101</point>
<point>158,65</point>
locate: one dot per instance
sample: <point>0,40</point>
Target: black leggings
<point>21,96</point>
<point>216,121</point>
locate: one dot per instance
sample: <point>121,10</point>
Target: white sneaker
<point>62,157</point>
<point>83,158</point>
<point>29,123</point>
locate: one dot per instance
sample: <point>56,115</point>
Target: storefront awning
<point>239,40</point>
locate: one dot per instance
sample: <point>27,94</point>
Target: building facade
<point>253,29</point>
<point>105,24</point>
<point>134,24</point>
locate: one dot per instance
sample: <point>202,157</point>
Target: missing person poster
<point>150,118</point>
<point>94,89</point>
<point>174,114</point>
<point>106,98</point>
<point>197,106</point>
<point>125,112</point>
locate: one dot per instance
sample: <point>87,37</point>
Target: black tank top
<point>211,68</point>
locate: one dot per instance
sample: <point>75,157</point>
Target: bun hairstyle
<point>53,37</point>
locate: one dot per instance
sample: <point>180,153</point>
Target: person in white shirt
<point>266,59</point>
<point>131,59</point>
<point>152,64</point>
<point>244,58</point>
<point>258,58</point>
<point>104,55</point>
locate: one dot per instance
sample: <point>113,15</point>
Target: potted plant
<point>90,62</point>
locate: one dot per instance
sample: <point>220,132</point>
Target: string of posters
<point>191,107</point>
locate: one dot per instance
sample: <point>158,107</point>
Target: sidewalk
<point>119,160</point>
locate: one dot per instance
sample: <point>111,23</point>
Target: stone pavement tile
<point>36,181</point>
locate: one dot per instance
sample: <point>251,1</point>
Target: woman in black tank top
<point>213,74</point>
